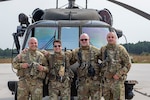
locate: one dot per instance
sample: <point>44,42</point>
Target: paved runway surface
<point>139,72</point>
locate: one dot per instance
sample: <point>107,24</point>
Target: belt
<point>95,78</point>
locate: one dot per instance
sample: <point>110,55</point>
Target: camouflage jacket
<point>34,59</point>
<point>59,66</point>
<point>86,58</point>
<point>115,60</point>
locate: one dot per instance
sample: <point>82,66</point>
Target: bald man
<point>31,70</point>
<point>116,64</point>
<point>88,83</point>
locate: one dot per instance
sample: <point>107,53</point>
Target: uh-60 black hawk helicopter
<point>67,24</point>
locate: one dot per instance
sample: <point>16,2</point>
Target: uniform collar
<point>111,46</point>
<point>32,51</point>
<point>85,47</point>
<point>58,53</point>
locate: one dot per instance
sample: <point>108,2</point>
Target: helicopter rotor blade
<point>4,0</point>
<point>135,10</point>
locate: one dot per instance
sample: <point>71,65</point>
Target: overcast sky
<point>134,27</point>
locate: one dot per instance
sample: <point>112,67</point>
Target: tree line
<point>137,48</point>
<point>7,53</point>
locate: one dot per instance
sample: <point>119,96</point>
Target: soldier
<point>88,79</point>
<point>31,69</point>
<point>115,66</point>
<point>60,74</point>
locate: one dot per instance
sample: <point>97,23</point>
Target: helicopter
<point>65,23</point>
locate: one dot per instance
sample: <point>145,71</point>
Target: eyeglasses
<point>57,46</point>
<point>83,39</point>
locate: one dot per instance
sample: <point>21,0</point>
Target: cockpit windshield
<point>69,36</point>
<point>46,36</point>
<point>97,35</point>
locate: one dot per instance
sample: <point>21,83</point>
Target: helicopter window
<point>26,41</point>
<point>97,35</point>
<point>69,37</point>
<point>46,36</point>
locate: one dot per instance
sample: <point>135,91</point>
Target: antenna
<point>56,4</point>
<point>71,3</point>
<point>86,4</point>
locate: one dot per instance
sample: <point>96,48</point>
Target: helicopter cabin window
<point>70,37</point>
<point>97,35</point>
<point>46,36</point>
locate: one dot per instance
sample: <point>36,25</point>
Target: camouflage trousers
<point>114,90</point>
<point>62,89</point>
<point>30,89</point>
<point>89,89</point>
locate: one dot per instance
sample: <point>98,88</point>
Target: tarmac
<point>138,72</point>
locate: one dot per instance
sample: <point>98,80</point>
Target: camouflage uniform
<point>88,82</point>
<point>30,79</point>
<point>115,61</point>
<point>60,76</point>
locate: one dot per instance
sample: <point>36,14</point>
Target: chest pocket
<point>113,60</point>
<point>59,69</point>
<point>86,63</point>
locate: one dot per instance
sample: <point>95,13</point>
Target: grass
<point>140,58</point>
<point>5,60</point>
<point>135,59</point>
